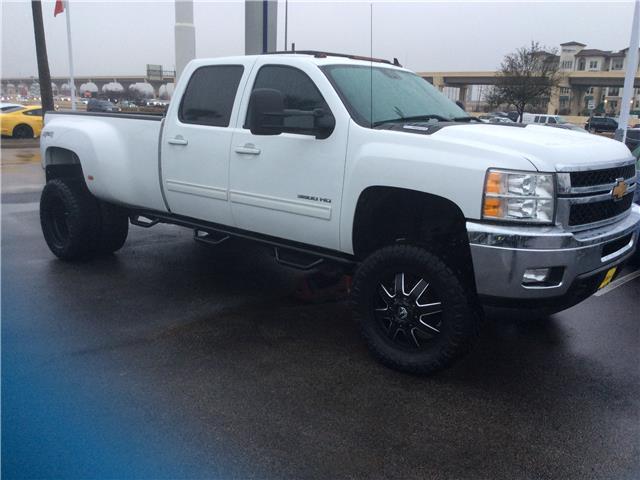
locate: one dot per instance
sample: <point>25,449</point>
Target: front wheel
<point>414,313</point>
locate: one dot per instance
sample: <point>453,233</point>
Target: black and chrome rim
<point>408,310</point>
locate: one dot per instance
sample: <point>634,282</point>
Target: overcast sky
<point>121,37</point>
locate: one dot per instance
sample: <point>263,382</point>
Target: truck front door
<point>290,185</point>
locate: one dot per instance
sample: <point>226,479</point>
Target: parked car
<point>97,105</point>
<point>10,107</point>
<point>635,260</point>
<point>513,116</point>
<point>601,124</point>
<point>434,214</point>
<point>22,123</point>
<point>543,119</point>
<point>633,138</point>
<point>490,118</point>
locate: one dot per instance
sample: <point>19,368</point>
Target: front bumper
<point>501,254</point>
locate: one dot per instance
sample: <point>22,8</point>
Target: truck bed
<point>119,151</point>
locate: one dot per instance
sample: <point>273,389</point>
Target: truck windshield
<point>375,95</point>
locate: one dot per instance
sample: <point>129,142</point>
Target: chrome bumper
<point>501,254</point>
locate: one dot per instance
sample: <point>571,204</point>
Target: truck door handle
<point>178,141</point>
<point>247,149</point>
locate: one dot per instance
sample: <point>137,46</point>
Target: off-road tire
<point>22,131</point>
<point>69,217</point>
<point>114,228</point>
<point>460,317</point>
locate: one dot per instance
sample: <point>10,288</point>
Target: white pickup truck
<point>330,158</point>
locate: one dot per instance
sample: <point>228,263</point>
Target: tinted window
<point>551,120</point>
<point>537,119</point>
<point>299,91</point>
<point>37,112</point>
<point>210,94</point>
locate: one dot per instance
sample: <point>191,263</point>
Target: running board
<point>143,221</point>
<point>298,260</point>
<point>210,238</point>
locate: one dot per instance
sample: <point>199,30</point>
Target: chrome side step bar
<point>208,237</point>
<point>294,259</point>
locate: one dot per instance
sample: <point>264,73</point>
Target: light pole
<point>44,78</point>
<point>632,68</point>
<point>185,35</point>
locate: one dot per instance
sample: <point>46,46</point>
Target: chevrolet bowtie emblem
<point>619,190</point>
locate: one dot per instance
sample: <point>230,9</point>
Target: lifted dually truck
<point>435,213</point>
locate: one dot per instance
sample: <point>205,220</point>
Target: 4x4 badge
<point>620,189</point>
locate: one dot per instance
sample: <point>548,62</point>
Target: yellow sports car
<point>25,122</point>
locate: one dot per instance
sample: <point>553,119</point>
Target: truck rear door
<point>197,137</point>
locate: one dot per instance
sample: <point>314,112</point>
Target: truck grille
<point>600,177</point>
<point>582,213</point>
<point>585,196</point>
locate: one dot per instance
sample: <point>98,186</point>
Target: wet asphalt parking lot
<point>175,360</point>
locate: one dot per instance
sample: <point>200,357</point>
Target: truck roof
<point>316,57</point>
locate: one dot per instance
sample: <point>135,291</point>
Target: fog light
<point>536,275</point>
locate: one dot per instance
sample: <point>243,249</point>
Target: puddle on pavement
<point>19,156</point>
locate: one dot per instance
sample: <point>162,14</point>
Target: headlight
<point>519,196</point>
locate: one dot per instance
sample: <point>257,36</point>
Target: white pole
<point>286,23</point>
<point>632,68</point>
<point>71,80</point>
<point>185,35</point>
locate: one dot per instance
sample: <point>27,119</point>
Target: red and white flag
<point>59,8</point>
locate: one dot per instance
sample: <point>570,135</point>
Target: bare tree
<point>493,98</point>
<point>44,77</point>
<point>527,77</point>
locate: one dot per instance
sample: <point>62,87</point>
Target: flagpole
<point>71,80</point>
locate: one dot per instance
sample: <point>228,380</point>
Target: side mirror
<point>324,123</point>
<point>267,116</point>
<point>266,112</point>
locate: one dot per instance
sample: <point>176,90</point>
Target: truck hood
<point>547,148</point>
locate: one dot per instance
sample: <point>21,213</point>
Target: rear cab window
<point>210,95</point>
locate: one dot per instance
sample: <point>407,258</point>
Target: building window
<point>616,64</point>
<point>565,90</point>
<point>581,65</point>
<point>567,64</point>
<point>590,90</point>
<point>593,65</point>
<point>613,92</point>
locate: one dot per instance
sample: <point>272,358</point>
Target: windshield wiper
<point>466,118</point>
<point>411,119</point>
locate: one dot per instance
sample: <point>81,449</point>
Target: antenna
<point>371,63</point>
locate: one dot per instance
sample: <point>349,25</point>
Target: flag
<point>59,8</point>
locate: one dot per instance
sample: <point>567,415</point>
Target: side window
<point>536,119</point>
<point>552,120</point>
<point>36,113</point>
<point>209,96</point>
<point>299,91</point>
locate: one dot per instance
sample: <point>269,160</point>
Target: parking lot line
<point>618,282</point>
